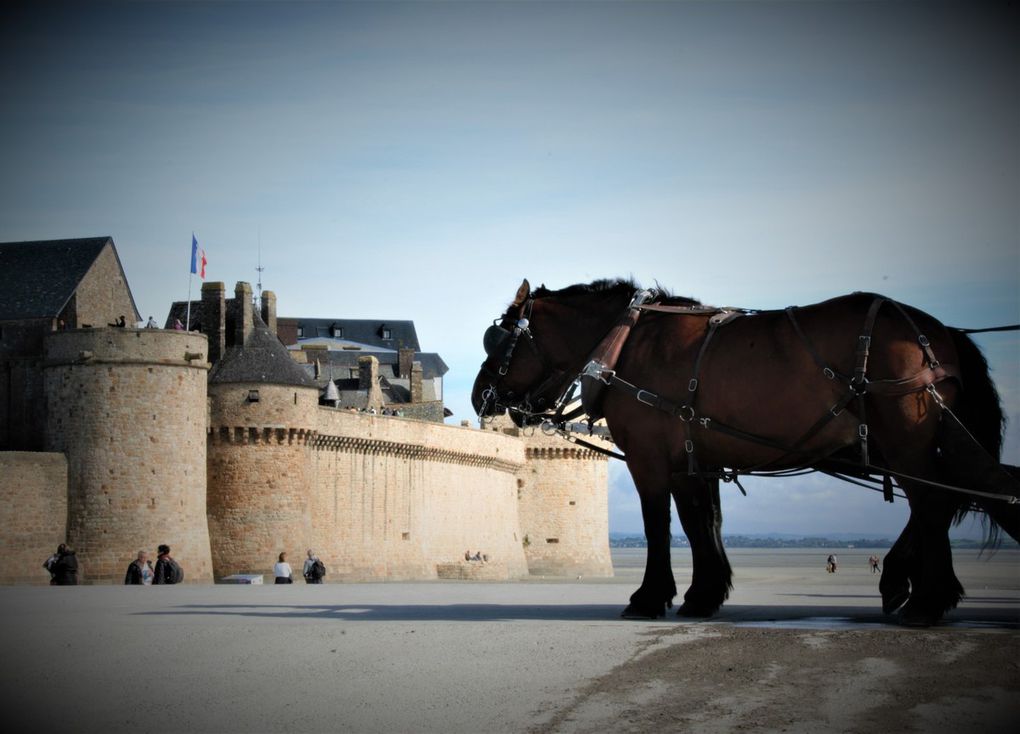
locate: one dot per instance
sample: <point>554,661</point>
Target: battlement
<point>127,347</point>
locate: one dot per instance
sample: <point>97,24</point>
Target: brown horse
<point>858,385</point>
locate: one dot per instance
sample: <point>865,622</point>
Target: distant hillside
<point>623,540</point>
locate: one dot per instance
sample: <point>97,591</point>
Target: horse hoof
<point>633,612</point>
<point>895,601</point>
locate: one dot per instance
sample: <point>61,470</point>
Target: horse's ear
<point>522,293</point>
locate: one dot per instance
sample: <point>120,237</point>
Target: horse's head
<point>537,348</point>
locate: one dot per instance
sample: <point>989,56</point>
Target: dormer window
<point>300,332</point>
<point>337,332</point>
<point>384,332</point>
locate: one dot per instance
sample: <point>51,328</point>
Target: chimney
<point>405,358</point>
<point>416,391</point>
<point>368,380</point>
<point>242,313</point>
<point>269,310</point>
<point>214,318</point>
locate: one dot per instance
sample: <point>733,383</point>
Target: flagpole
<point>191,271</point>
<point>187,326</point>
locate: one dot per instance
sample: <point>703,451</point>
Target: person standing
<point>282,571</point>
<point>168,571</point>
<point>140,572</point>
<point>873,562</point>
<point>314,569</point>
<point>65,569</point>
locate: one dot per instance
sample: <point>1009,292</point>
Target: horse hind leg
<point>894,583</point>
<point>697,502</point>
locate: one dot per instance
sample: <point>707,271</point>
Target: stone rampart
<point>393,498</point>
<point>33,514</point>
<point>564,507</point>
<point>127,407</point>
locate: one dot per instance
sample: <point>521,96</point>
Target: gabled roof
<point>361,331</point>
<point>37,279</point>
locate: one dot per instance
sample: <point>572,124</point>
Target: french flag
<point>198,260</point>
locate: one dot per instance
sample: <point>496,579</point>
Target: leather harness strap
<point>600,374</point>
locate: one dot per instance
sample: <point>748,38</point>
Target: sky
<point>418,160</point>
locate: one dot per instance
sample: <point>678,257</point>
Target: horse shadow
<point>805,616</point>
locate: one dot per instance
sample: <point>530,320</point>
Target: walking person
<point>139,572</point>
<point>873,562</point>
<point>282,570</point>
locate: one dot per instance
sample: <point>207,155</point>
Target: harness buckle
<point>923,340</point>
<point>598,371</point>
<point>865,342</point>
<point>862,430</point>
<point>692,385</point>
<point>689,446</point>
<point>828,372</point>
<point>640,397</point>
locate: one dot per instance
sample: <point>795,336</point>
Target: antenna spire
<point>259,269</point>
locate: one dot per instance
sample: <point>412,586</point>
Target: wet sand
<point>795,649</point>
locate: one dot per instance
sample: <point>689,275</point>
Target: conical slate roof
<point>263,358</point>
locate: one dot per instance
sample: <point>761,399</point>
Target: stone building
<point>45,287</point>
<point>231,447</point>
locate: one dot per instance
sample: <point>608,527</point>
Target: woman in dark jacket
<point>65,570</point>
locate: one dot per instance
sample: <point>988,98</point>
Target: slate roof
<point>37,279</point>
<point>360,331</point>
<point>263,358</point>
<point>432,365</point>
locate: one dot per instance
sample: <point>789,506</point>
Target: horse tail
<point>979,410</point>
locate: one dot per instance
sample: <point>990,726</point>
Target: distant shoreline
<point>618,540</point>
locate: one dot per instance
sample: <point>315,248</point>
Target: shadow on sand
<point>794,616</point>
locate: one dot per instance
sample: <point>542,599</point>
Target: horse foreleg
<point>658,587</point>
<point>697,503</point>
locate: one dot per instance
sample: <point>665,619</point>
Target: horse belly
<point>773,394</point>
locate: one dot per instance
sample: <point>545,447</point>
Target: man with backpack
<point>168,571</point>
<point>314,569</point>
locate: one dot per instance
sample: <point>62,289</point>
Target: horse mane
<point>612,287</point>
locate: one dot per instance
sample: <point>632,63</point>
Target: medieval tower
<point>261,419</point>
<point>127,409</point>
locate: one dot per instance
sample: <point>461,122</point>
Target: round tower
<point>127,408</point>
<point>262,408</point>
<point>563,503</point>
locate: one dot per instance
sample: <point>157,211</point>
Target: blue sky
<point>416,160</point>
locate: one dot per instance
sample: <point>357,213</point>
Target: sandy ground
<point>795,650</point>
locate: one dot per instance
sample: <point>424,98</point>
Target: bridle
<point>499,344</point>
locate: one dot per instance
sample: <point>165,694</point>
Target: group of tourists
<point>167,570</point>
<point>314,570</point>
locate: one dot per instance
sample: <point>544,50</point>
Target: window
<point>384,332</point>
<point>300,331</point>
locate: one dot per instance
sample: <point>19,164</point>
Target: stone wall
<point>127,407</point>
<point>564,507</point>
<point>394,498</point>
<point>33,514</point>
